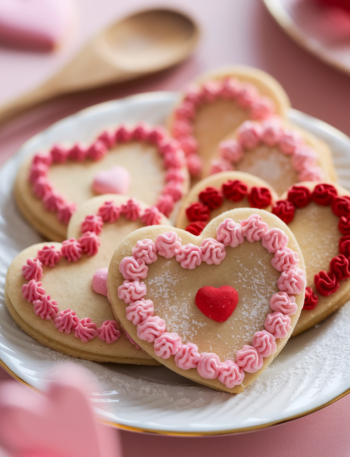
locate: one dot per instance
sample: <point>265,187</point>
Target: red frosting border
<point>323,194</point>
<point>198,213</point>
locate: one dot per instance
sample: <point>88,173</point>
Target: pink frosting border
<point>229,88</point>
<point>271,133</point>
<point>249,359</point>
<point>66,321</point>
<point>168,148</point>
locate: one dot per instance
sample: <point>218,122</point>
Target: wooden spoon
<point>142,43</point>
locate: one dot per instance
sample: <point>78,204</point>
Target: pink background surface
<point>234,32</point>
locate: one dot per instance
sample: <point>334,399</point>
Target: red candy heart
<point>217,304</point>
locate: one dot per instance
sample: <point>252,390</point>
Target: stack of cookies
<point>203,246</point>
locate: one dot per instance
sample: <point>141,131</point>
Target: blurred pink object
<point>342,4</point>
<point>58,423</point>
<point>35,24</point>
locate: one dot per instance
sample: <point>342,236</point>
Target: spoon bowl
<point>149,41</point>
<point>142,43</point>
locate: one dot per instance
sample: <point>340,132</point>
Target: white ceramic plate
<point>313,369</point>
<point>325,34</point>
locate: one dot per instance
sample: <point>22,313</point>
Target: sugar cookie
<point>50,185</point>
<point>216,104</point>
<point>319,217</point>
<point>276,151</point>
<point>51,287</point>
<point>212,339</point>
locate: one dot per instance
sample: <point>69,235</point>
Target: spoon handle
<point>88,69</point>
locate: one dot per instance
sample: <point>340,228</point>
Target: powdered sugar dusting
<point>247,268</point>
<point>270,164</point>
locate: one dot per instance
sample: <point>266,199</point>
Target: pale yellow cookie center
<point>144,163</point>
<point>247,268</point>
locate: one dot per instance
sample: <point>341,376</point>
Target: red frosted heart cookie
<point>218,307</point>
<point>216,104</point>
<point>151,167</point>
<point>217,304</point>
<point>275,151</point>
<point>53,290</point>
<point>319,217</point>
<point>222,192</point>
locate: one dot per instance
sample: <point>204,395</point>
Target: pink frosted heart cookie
<point>222,192</point>
<point>57,292</point>
<point>141,160</point>
<point>275,151</point>
<point>216,104</point>
<point>248,270</point>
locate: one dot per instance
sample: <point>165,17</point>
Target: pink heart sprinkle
<point>99,281</point>
<point>113,181</point>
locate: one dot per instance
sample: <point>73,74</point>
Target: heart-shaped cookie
<point>246,249</point>
<point>49,289</point>
<point>216,104</point>
<point>319,217</point>
<point>222,192</point>
<point>49,186</point>
<point>275,151</point>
